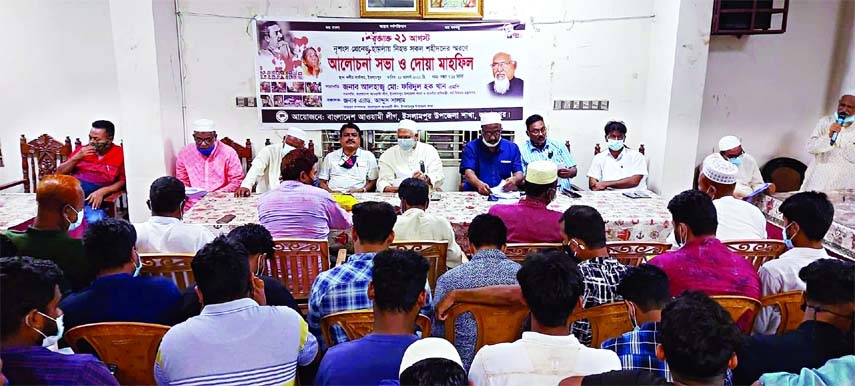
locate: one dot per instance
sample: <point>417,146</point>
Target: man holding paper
<point>749,178</point>
<point>491,161</point>
<point>409,158</point>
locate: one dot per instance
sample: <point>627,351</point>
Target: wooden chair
<point>738,307</point>
<point>607,321</point>
<point>496,324</point>
<point>518,251</point>
<point>634,252</point>
<point>173,266</point>
<point>359,323</point>
<point>789,306</point>
<point>297,262</point>
<point>434,251</point>
<point>40,157</point>
<point>244,152</point>
<point>757,251</point>
<point>131,347</point>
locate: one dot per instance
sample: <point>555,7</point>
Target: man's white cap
<point>429,348</point>
<point>719,170</point>
<point>490,118</point>
<point>296,133</point>
<point>203,125</point>
<point>407,124</point>
<point>728,142</point>
<point>541,172</point>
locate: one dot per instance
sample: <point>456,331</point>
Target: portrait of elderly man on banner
<point>505,83</point>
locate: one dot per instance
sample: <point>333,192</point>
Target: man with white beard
<point>504,83</point>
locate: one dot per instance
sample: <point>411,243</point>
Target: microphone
<point>422,166</point>
<point>841,117</point>
<point>549,154</point>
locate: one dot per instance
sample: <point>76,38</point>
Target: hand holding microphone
<point>836,127</point>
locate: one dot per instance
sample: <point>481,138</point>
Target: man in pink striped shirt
<point>208,163</point>
<point>296,209</point>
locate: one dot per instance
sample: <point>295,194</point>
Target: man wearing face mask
<point>32,324</point>
<point>620,168</point>
<point>208,163</point>
<point>266,167</point>
<point>409,158</point>
<point>60,209</point>
<point>833,147</point>
<point>298,209</point>
<point>100,167</point>
<point>541,183</point>
<point>164,232</point>
<point>119,293</point>
<point>491,160</point>
<point>349,169</point>
<point>749,178</point>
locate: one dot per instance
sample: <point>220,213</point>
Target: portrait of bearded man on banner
<point>504,82</point>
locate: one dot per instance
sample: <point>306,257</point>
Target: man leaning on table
<point>266,167</point>
<point>409,158</point>
<point>749,178</point>
<point>491,160</point>
<point>540,148</point>
<point>619,168</point>
<point>349,169</point>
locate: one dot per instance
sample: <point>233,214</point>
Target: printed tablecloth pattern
<point>16,209</point>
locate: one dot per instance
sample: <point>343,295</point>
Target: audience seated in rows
<point>405,160</point>
<point>296,209</point>
<point>825,332</point>
<point>234,339</point>
<point>618,168</point>
<point>431,362</point>
<point>415,223</point>
<point>807,218</point>
<point>698,340</point>
<point>119,294</point>
<point>164,232</point>
<point>584,237</point>
<point>345,287</point>
<point>32,325</point>
<point>349,169</point>
<point>397,289</point>
<point>266,166</point>
<point>208,163</point>
<point>259,247</point>
<point>839,371</point>
<point>488,266</point>
<point>529,221</point>
<point>60,210</point>
<point>551,286</point>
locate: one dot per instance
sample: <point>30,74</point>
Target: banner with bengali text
<point>321,74</point>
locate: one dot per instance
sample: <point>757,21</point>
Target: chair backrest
<point>786,173</point>
<point>434,251</point>
<point>173,266</point>
<point>607,321</point>
<point>633,252</point>
<point>496,324</point>
<point>131,347</point>
<point>789,305</point>
<point>297,262</point>
<point>244,152</point>
<point>359,323</point>
<point>41,157</point>
<point>738,306</point>
<point>518,251</point>
<point>757,251</point>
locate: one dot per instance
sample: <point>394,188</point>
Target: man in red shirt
<point>100,167</point>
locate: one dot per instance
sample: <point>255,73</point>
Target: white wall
<point>771,90</point>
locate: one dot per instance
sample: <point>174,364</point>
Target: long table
<point>643,219</point>
<point>16,209</point>
<point>840,239</point>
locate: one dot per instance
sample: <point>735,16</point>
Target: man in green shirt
<point>60,209</point>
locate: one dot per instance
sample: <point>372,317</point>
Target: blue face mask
<point>138,266</point>
<point>73,225</point>
<point>208,151</point>
<point>736,161</point>
<point>406,143</point>
<point>615,144</point>
<point>787,240</point>
<point>848,119</point>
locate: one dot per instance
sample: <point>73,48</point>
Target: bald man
<point>60,209</point>
<point>833,147</point>
<point>504,82</point>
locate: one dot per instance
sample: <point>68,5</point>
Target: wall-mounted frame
<point>452,9</point>
<point>390,8</point>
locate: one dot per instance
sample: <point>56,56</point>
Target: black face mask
<point>349,163</point>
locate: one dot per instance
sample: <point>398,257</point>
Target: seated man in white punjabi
<point>405,160</point>
<point>164,232</point>
<point>349,169</point>
<point>266,167</point>
<point>749,178</point>
<point>619,168</point>
<point>832,144</point>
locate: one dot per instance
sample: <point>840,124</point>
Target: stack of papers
<point>502,195</point>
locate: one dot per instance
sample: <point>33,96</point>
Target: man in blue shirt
<point>397,288</point>
<point>119,294</point>
<point>491,160</point>
<point>541,148</point>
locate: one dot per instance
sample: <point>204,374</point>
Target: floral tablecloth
<point>840,239</point>
<point>644,219</point>
<point>16,209</point>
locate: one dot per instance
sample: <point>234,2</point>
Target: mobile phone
<point>435,197</point>
<point>571,193</point>
<point>226,219</point>
<point>636,195</point>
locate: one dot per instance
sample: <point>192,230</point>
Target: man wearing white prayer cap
<point>265,170</point>
<point>409,158</point>
<point>832,144</point>
<point>491,160</point>
<point>749,178</point>
<point>541,185</point>
<point>432,361</point>
<point>737,219</point>
<point>350,168</point>
<point>208,163</point>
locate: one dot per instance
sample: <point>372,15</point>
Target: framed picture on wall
<point>452,9</point>
<point>390,8</point>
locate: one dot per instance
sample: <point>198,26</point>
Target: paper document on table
<point>758,191</point>
<point>397,182</point>
<point>499,193</point>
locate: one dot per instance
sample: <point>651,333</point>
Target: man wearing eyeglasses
<point>208,163</point>
<point>541,148</point>
<point>504,83</point>
<point>749,178</point>
<point>349,169</point>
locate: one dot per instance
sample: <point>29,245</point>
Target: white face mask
<point>406,143</point>
<point>51,342</point>
<point>488,144</point>
<point>73,225</point>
